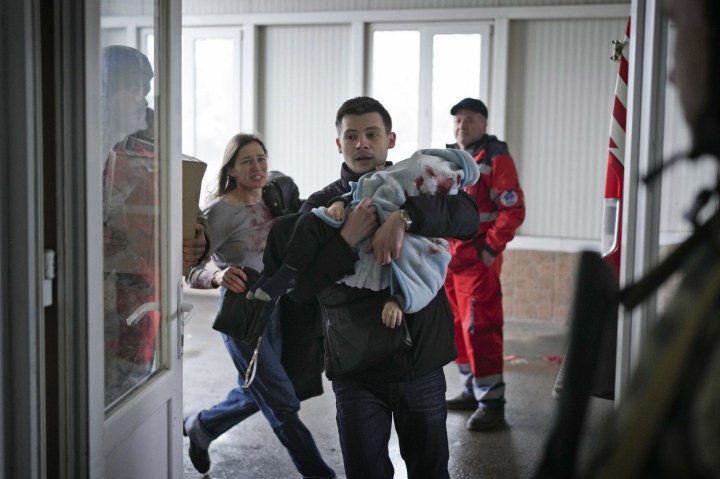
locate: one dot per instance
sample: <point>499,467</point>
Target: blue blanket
<point>419,273</point>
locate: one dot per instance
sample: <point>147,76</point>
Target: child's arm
<point>392,315</point>
<point>336,210</point>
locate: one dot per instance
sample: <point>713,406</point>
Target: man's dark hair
<point>124,69</point>
<point>361,105</point>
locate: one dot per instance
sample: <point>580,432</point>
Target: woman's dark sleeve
<point>334,260</point>
<point>444,216</point>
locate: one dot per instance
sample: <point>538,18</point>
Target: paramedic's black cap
<point>471,104</point>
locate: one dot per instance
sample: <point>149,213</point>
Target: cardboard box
<point>192,175</point>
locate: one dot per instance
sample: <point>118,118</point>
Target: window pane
<point>131,219</point>
<point>216,102</point>
<point>455,75</point>
<point>395,84</point>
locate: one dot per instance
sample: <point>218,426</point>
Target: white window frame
<point>191,34</point>
<point>426,31</point>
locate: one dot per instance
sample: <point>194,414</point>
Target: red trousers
<point>475,297</point>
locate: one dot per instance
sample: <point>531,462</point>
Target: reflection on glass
<point>455,75</point>
<point>131,203</point>
<point>395,73</point>
<point>681,182</point>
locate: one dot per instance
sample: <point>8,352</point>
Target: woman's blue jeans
<point>272,393</point>
<point>365,413</point>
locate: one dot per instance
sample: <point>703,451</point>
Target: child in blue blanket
<point>416,276</point>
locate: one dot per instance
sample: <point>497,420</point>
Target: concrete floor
<point>251,450</point>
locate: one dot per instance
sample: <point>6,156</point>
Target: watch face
<point>406,218</point>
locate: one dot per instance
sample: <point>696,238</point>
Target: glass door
<point>137,198</point>
<point>131,224</point>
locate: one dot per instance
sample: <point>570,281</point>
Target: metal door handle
<point>141,311</point>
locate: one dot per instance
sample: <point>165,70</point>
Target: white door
<point>133,196</point>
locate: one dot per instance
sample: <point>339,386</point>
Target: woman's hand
<point>360,223</point>
<point>231,278</point>
<point>193,249</point>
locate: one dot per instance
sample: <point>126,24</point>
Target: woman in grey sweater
<point>238,223</point>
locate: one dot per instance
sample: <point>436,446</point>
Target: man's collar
<point>474,148</point>
<point>348,175</point>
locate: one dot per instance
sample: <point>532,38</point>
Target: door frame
<point>644,152</point>
<point>21,314</point>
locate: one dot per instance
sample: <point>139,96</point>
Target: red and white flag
<point>612,212</point>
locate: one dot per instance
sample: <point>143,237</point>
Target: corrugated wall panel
<point>561,85</point>
<point>203,7</point>
<point>306,67</point>
<point>409,4</point>
<point>285,6</point>
<point>199,7</point>
<point>539,3</point>
<point>404,4</point>
<point>127,7</point>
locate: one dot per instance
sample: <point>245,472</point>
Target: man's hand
<point>193,249</point>
<point>388,239</point>
<point>361,222</point>
<point>231,278</point>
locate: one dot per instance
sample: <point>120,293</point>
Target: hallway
<point>251,450</point>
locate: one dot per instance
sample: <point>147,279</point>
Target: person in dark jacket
<point>239,221</point>
<point>410,387</point>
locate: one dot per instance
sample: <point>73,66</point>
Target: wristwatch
<point>405,215</point>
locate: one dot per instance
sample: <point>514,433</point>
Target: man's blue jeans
<point>272,393</point>
<point>364,416</point>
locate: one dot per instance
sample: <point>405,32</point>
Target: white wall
<point>287,6</point>
<point>555,85</point>
<point>560,92</point>
<point>563,62</point>
<point>304,75</point>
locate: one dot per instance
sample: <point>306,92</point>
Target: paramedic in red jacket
<point>473,278</point>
